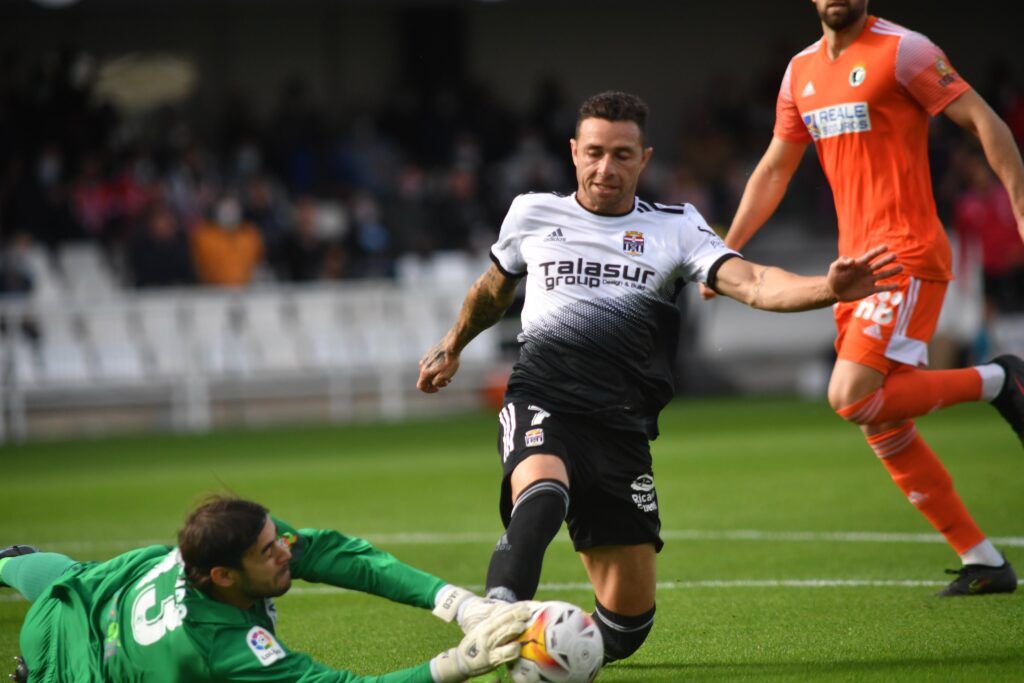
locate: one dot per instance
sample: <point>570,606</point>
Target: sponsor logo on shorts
<point>264,646</point>
<point>879,308</point>
<point>534,437</point>
<point>839,119</point>
<point>644,482</point>
<point>645,498</point>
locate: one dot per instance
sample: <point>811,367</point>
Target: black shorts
<point>612,499</point>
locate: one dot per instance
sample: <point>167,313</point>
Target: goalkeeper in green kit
<point>203,612</point>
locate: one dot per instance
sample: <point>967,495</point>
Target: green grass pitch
<point>790,555</point>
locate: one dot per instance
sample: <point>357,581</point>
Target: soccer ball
<point>561,644</point>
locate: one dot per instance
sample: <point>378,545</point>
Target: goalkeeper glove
<point>460,605</point>
<point>487,646</point>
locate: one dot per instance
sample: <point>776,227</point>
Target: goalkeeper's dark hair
<point>217,534</point>
<point>613,105</point>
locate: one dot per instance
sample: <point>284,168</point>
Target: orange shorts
<point>889,329</point>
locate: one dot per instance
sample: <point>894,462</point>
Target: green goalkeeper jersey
<point>134,618</point>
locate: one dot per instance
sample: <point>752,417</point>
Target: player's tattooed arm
<point>487,301</point>
<point>485,304</point>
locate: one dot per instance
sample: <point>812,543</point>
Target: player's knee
<point>622,635</point>
<point>854,405</point>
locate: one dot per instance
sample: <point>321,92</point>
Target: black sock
<point>537,516</point>
<point>622,635</point>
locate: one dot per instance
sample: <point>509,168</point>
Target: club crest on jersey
<point>534,437</point>
<point>857,75</point>
<point>633,242</point>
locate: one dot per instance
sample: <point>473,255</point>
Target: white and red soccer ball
<point>561,644</point>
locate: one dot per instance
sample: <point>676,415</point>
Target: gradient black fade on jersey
<point>608,358</point>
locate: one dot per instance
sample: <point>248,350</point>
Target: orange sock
<point>912,393</point>
<point>922,477</point>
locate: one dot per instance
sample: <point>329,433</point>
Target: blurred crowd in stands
<point>304,195</point>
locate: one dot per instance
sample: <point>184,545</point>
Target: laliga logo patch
<point>264,646</point>
<point>857,75</point>
<point>534,437</point>
<point>633,242</point>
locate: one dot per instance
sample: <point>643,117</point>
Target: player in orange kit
<point>863,94</point>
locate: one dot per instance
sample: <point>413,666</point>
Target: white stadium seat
<point>268,331</point>
<point>87,273</point>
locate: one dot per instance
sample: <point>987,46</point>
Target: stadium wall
<point>678,55</point>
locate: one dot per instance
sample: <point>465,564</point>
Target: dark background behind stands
<point>322,139</point>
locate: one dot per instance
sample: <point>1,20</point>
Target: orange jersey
<point>867,114</point>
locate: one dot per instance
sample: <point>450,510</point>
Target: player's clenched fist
<point>437,367</point>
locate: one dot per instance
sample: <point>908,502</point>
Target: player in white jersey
<point>600,325</point>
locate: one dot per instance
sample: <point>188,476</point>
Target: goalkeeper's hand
<point>487,646</point>
<point>463,607</point>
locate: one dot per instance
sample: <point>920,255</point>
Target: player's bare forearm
<point>487,300</point>
<point>774,289</point>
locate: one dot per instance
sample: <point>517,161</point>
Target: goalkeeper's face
<point>265,569</point>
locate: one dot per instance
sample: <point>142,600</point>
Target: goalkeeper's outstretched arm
<point>487,300</point>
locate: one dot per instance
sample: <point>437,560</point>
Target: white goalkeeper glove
<point>485,647</point>
<point>460,605</point>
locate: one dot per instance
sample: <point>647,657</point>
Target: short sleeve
<point>506,252</point>
<point>923,69</point>
<point>789,125</point>
<point>702,249</point>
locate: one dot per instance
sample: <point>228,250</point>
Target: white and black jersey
<point>600,323</point>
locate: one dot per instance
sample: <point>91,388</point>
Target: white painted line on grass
<point>10,596</point>
<point>473,537</point>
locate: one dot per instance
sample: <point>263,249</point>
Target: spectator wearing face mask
<point>226,249</point>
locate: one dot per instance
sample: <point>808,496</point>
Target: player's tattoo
<point>434,356</point>
<point>487,301</point>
